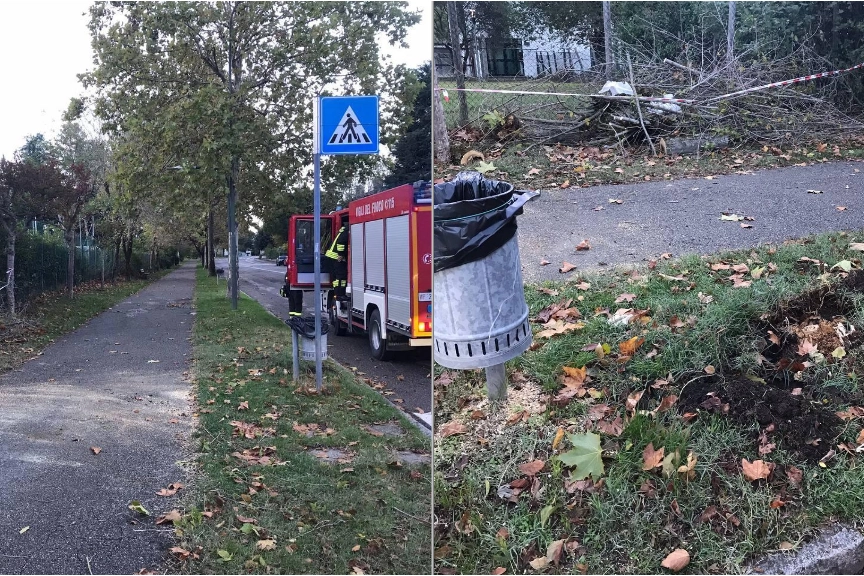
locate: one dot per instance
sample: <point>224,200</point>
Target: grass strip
<point>290,481</point>
<point>702,328</point>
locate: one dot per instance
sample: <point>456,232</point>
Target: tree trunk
<point>10,267</point>
<point>730,36</point>
<point>127,255</point>
<point>211,249</point>
<point>439,124</point>
<point>70,260</point>
<point>607,38</point>
<point>116,263</point>
<point>233,263</point>
<point>455,48</point>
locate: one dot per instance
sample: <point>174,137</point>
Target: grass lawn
<point>744,369</point>
<point>53,314</point>
<point>291,482</point>
<point>533,167</point>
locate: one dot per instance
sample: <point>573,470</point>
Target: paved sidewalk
<point>116,383</point>
<point>683,216</point>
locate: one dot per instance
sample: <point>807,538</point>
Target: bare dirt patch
<point>786,400</point>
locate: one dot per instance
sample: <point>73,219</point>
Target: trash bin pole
<point>496,382</point>
<point>295,354</point>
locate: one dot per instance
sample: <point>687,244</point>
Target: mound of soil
<point>799,424</point>
<point>800,334</point>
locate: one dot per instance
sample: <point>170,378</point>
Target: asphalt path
<point>683,217</point>
<point>406,379</point>
<point>118,384</point>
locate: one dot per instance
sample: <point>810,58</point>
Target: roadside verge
<point>290,480</point>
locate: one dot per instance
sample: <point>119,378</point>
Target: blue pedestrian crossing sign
<point>349,125</point>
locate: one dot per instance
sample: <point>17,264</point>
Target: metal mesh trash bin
<point>480,314</point>
<point>305,329</point>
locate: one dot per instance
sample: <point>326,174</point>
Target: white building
<point>547,54</point>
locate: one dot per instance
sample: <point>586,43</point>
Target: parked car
<point>280,261</point>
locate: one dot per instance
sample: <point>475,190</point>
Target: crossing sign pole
<point>316,232</point>
<point>341,125</point>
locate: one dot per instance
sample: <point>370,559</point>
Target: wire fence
<point>41,262</point>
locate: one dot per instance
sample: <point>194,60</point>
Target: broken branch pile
<point>580,115</point>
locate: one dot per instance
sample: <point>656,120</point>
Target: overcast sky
<point>46,43</point>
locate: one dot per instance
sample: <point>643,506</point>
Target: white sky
<point>46,44</point>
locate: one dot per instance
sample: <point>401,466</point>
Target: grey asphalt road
<point>683,216</point>
<point>407,378</point>
<point>117,383</point>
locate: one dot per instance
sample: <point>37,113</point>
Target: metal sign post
<point>316,232</point>
<point>341,125</point>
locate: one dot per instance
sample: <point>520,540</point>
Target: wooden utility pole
<point>439,123</point>
<point>607,36</point>
<point>730,34</point>
<point>456,50</point>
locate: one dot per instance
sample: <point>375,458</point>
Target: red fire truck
<point>389,291</point>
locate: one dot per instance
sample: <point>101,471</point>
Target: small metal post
<point>295,356</point>
<point>496,383</point>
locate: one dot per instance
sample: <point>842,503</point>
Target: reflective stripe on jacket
<point>337,249</point>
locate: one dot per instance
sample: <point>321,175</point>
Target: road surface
<point>407,378</point>
<point>683,216</point>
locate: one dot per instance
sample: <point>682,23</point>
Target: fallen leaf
<point>806,347</point>
<point>838,352</point>
<point>629,347</point>
<point>676,560</point>
<point>452,428</point>
<point>574,377</point>
<point>667,403</point>
<point>136,506</point>
<point>584,245</point>
<point>615,201</point>
<point>709,369</point>
<point>475,155</point>
<point>633,400</point>
<point>169,517</point>
<point>553,552</point>
<point>785,545</point>
<point>585,456</point>
<point>539,563</point>
<point>532,468</point>
<point>499,570</point>
<point>625,298</point>
<point>566,267</point>
<point>243,405</point>
<point>652,458</point>
<point>96,449</point>
<point>794,474</point>
<point>559,435</point>
<point>266,544</point>
<point>841,208</point>
<point>544,262</point>
<point>565,184</point>
<point>756,470</point>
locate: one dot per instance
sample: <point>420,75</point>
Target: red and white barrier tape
<point>685,101</point>
<point>525,92</point>
<point>784,83</point>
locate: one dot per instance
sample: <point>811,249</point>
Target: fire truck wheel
<point>377,344</point>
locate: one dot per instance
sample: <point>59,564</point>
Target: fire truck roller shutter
<point>357,272</point>
<point>398,271</point>
<point>375,254</point>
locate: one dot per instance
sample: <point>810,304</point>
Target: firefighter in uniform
<point>338,263</point>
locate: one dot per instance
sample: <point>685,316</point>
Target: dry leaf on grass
<point>676,560</point>
<point>532,468</point>
<point>453,428</point>
<point>756,470</point>
<point>652,458</point>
